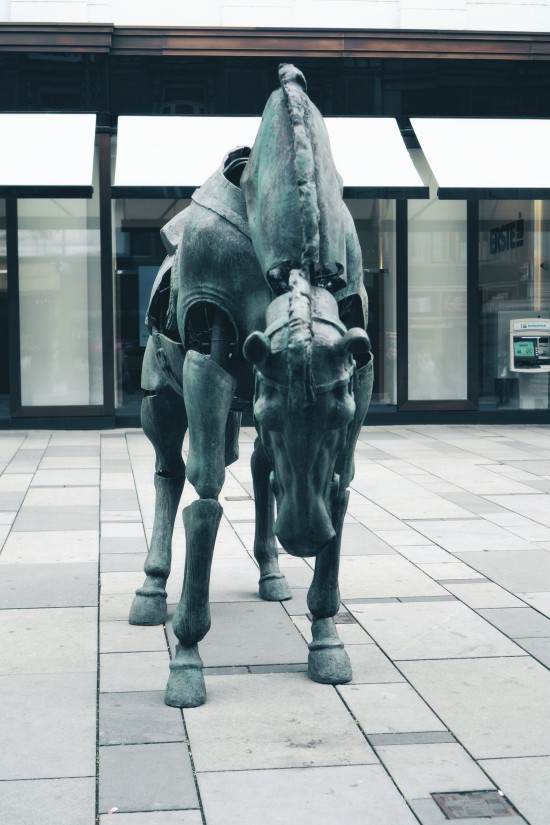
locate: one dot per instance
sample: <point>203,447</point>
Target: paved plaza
<point>445,585</point>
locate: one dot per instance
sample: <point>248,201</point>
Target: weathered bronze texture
<point>259,302</point>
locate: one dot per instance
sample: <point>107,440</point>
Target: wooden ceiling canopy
<point>288,43</point>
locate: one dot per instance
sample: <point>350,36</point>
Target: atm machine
<point>530,357</point>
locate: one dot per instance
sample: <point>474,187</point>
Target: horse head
<point>304,407</point>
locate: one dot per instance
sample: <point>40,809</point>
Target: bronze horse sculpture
<point>260,301</point>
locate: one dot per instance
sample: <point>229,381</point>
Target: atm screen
<point>524,349</point>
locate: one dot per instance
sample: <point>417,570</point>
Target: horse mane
<point>293,84</point>
<point>301,385</point>
<point>300,326</point>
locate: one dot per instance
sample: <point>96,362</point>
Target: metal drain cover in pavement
<point>339,618</point>
<point>489,804</point>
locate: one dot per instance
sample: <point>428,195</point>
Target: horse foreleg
<point>273,585</point>
<point>164,422</point>
<point>328,662</point>
<point>208,392</point>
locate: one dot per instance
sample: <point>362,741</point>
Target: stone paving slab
<point>526,783</point>
<point>12,500</point>
<point>540,601</point>
<point>534,506</point>
<point>358,540</point>
<point>56,450</point>
<point>469,536</point>
<point>384,708</point>
<point>272,721</point>
<point>475,504</point>
<point>518,622</point>
<point>520,571</point>
<point>123,562</point>
<point>121,637</point>
<point>155,818</point>
<point>137,719</point>
<point>249,633</point>
<point>143,671</point>
<point>66,478</point>
<point>539,648</point>
<point>370,665</point>
<point>71,497</point>
<point>146,778</point>
<point>483,595</point>
<point>496,708</point>
<point>420,770</point>
<point>380,576</point>
<point>432,630</point>
<point>48,801</point>
<point>53,547</point>
<point>123,544</point>
<point>48,728</point>
<point>48,585</point>
<point>48,640</point>
<point>39,519</point>
<point>311,796</point>
<point>449,571</point>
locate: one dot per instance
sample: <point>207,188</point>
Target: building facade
<point>439,118</point>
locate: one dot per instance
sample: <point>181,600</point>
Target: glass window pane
<point>46,149</point>
<point>60,302</point>
<point>177,151</point>
<point>375,225</point>
<point>437,362</point>
<point>514,284</point>
<point>4,317</point>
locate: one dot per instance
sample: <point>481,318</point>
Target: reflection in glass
<point>60,302</point>
<point>437,362</point>
<point>514,283</point>
<point>375,225</point>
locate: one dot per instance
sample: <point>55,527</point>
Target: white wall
<point>491,15</point>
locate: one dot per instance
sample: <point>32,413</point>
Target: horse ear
<point>355,342</point>
<point>256,348</point>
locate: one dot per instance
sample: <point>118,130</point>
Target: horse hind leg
<point>164,422</point>
<point>328,662</point>
<point>273,586</point>
<point>208,392</point>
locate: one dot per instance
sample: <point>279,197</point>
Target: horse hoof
<point>185,688</point>
<point>274,588</point>
<point>148,607</point>
<point>329,667</point>
<point>327,662</point>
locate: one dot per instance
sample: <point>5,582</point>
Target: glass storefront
<point>60,302</point>
<point>514,295</point>
<point>437,305</point>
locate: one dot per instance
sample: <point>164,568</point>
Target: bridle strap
<point>319,389</point>
<point>275,326</point>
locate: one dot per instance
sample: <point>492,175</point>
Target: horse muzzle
<point>303,530</point>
